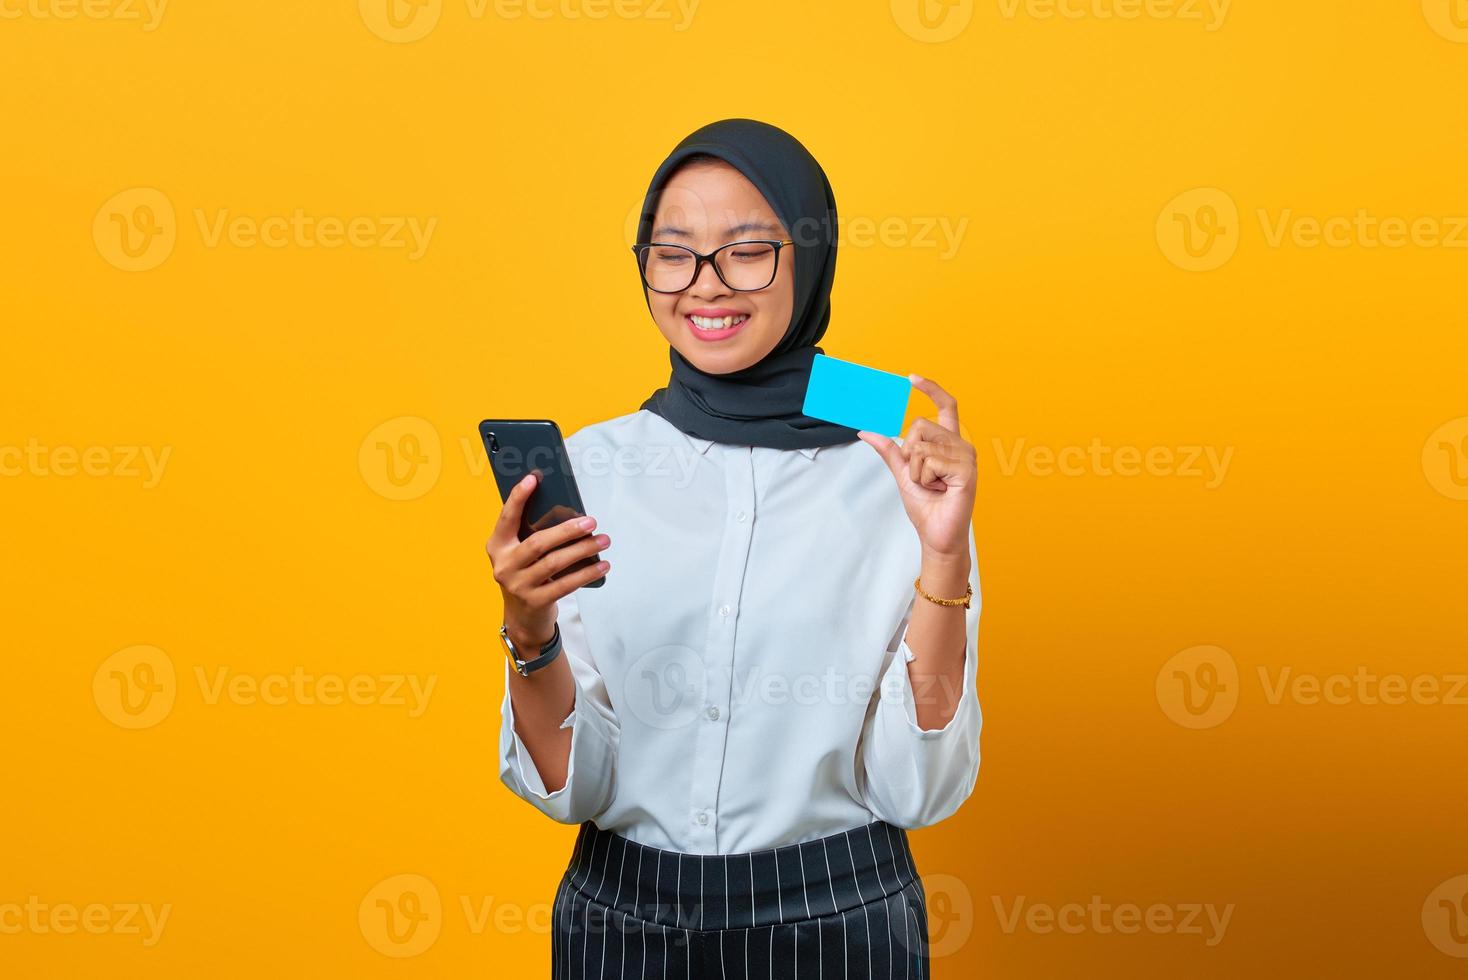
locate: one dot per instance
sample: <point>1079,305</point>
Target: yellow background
<point>271,544</point>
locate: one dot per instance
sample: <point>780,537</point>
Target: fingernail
<point>586,523</point>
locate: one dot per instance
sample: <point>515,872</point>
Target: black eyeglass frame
<point>699,259</point>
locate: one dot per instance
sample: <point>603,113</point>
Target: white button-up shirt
<point>741,678</point>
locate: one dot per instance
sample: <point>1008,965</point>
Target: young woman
<point>777,678</point>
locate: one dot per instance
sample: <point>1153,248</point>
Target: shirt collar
<point>702,445</point>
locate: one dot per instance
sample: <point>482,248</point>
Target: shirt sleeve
<point>915,776</point>
<point>595,732</point>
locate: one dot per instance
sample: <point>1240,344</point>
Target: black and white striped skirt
<point>847,905</point>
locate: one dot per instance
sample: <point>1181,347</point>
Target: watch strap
<point>548,653</point>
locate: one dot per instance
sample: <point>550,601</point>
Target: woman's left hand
<point>937,474</point>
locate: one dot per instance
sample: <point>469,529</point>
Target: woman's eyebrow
<point>738,229</point>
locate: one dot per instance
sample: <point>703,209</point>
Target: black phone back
<point>517,447</point>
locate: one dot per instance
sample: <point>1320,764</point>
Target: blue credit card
<point>852,394</point>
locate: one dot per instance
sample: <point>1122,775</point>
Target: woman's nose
<point>707,283</point>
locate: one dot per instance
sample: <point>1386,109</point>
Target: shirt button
<point>703,818</point>
<point>724,610</point>
<point>740,516</point>
<point>713,713</point>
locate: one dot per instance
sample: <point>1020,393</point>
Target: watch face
<point>509,648</point>
<point>518,662</point>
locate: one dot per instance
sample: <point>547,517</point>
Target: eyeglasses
<point>742,266</point>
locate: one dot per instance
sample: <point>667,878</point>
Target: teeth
<point>717,323</point>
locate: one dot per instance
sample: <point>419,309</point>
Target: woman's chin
<point>719,359</point>
<point>722,361</point>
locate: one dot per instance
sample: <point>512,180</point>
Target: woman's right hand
<point>523,568</point>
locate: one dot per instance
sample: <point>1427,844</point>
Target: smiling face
<point>705,204</point>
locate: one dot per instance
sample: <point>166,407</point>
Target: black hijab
<point>760,405</point>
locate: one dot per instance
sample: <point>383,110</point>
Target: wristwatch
<point>549,652</point>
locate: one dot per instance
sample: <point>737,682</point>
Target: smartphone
<point>518,446</point>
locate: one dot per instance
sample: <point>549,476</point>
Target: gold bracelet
<point>962,601</point>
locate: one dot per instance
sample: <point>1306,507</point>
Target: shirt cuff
<point>520,755</point>
<point>905,693</point>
